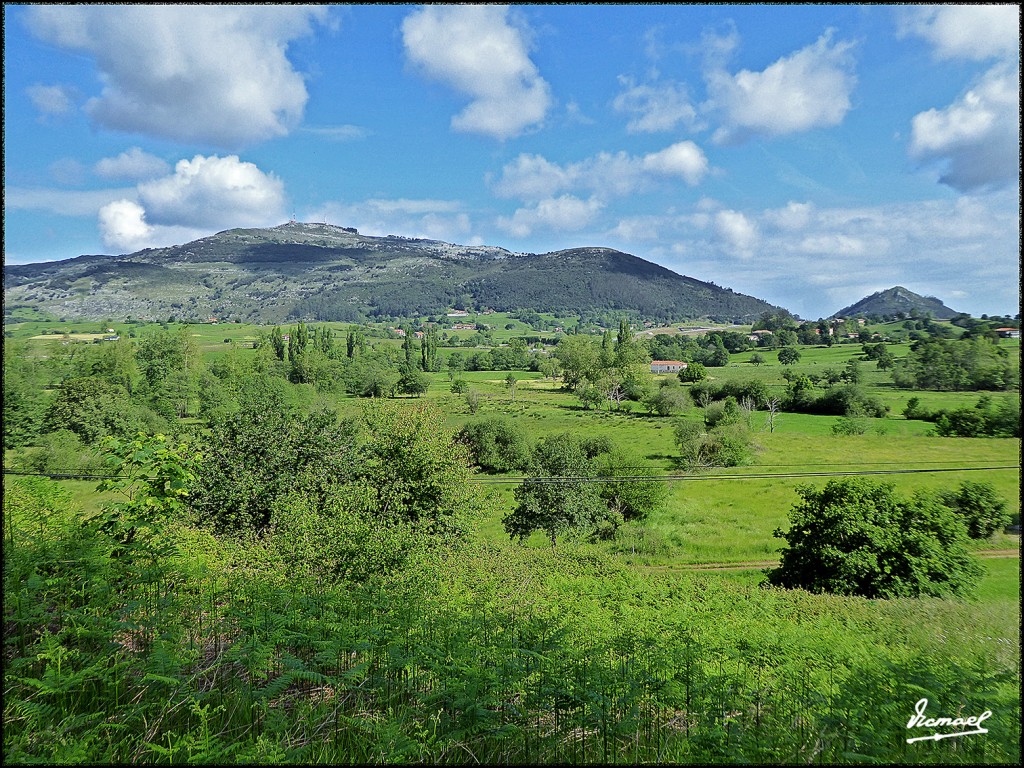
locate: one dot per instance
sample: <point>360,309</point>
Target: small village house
<point>667,366</point>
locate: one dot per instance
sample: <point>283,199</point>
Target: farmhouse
<point>1008,333</point>
<point>667,366</point>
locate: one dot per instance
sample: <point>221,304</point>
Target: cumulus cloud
<point>433,219</point>
<point>736,231</point>
<point>131,165</point>
<point>801,256</point>
<point>216,74</point>
<point>685,160</point>
<point>605,175</point>
<point>51,100</point>
<point>564,213</point>
<point>123,224</point>
<point>478,51</point>
<point>807,89</point>
<point>655,107</point>
<point>975,32</point>
<point>793,217</point>
<point>214,191</point>
<point>203,195</point>
<point>976,138</point>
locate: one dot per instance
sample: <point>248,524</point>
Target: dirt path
<point>751,565</point>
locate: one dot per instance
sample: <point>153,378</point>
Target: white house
<point>666,366</point>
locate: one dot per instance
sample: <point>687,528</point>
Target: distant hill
<point>892,301</point>
<point>324,272</point>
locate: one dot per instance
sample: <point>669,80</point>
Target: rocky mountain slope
<point>324,272</point>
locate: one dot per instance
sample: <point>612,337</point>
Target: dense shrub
<point>728,445</point>
<point>856,537</point>
<point>980,507</point>
<point>955,364</point>
<point>497,444</point>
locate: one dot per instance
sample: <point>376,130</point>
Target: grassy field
<point>661,646</point>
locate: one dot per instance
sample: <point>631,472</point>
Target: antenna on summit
<point>292,219</point>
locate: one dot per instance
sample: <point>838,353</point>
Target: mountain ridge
<point>891,301</point>
<point>319,271</point>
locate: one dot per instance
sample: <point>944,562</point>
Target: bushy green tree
<point>629,488</point>
<point>982,510</point>
<point>497,444</point>
<point>559,496</point>
<point>92,408</point>
<point>414,383</point>
<point>579,359</point>
<point>692,372</point>
<point>728,445</point>
<point>417,471</point>
<point>956,365</point>
<point>371,375</point>
<point>857,537</point>
<point>669,399</point>
<point>254,456</point>
<point>789,355</point>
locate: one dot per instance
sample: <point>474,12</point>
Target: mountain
<point>896,300</point>
<point>324,272</point>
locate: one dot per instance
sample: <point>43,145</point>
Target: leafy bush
<point>667,400</point>
<point>980,507</point>
<point>569,504</point>
<point>497,444</point>
<point>987,418</point>
<point>957,365</point>
<point>63,452</point>
<point>692,372</point>
<point>728,445</point>
<point>856,537</point>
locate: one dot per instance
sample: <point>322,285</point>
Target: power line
<point>752,476</point>
<point>518,479</point>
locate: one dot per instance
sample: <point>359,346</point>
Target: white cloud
<point>478,51</point>
<point>202,196</point>
<point>976,138</point>
<point>216,74</point>
<point>655,107</point>
<point>737,232</point>
<point>51,100</point>
<point>605,175</point>
<point>433,219</point>
<point>565,213</point>
<point>214,192</point>
<point>794,216</point>
<point>123,225</point>
<point>131,165</point>
<point>62,202</point>
<point>807,89</point>
<point>975,32</point>
<point>685,160</point>
<point>814,261</point>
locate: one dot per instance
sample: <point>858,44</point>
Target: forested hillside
<point>327,273</point>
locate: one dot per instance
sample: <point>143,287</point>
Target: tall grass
<point>218,651</point>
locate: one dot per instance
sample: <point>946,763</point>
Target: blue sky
<point>808,155</point>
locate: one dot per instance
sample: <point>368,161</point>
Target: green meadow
<point>660,645</point>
